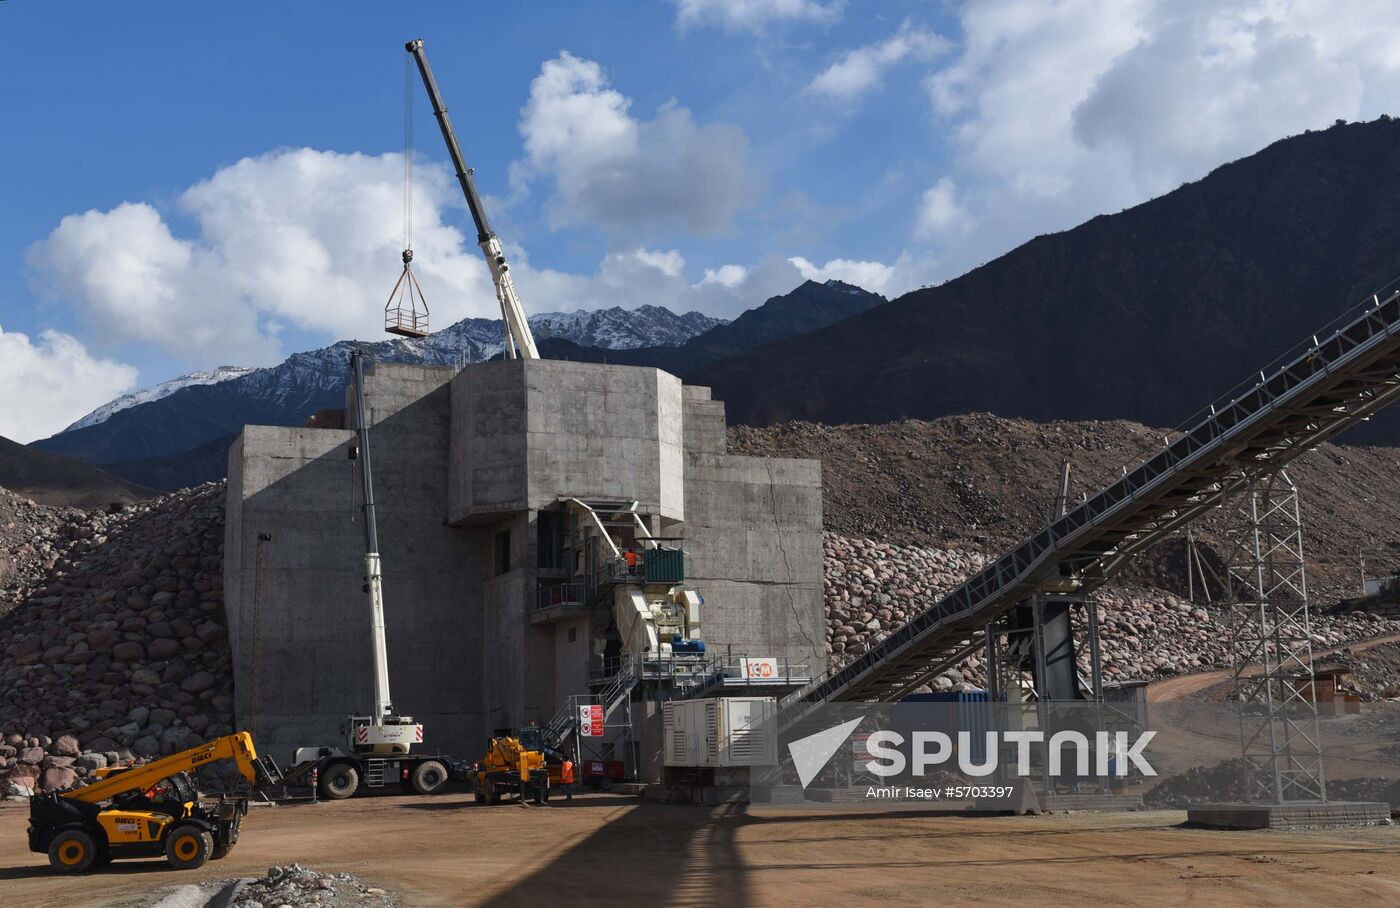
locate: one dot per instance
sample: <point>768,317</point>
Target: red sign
<point>590,721</point>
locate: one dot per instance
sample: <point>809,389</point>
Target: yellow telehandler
<point>148,811</point>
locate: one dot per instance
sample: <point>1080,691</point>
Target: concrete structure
<point>471,470</point>
<point>1293,813</point>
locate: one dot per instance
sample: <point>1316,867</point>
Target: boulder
<point>31,755</point>
<point>128,651</point>
<point>57,777</point>
<point>65,745</point>
<point>163,648</point>
<point>197,682</point>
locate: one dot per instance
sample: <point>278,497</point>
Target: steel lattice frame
<point>1271,646</point>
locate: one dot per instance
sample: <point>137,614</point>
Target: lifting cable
<point>406,312</point>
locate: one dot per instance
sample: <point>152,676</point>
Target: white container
<point>722,731</point>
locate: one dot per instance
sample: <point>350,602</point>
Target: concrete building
<point>480,480</point>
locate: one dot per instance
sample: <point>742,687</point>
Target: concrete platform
<point>1273,816</point>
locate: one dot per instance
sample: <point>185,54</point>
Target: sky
<point>188,185</point>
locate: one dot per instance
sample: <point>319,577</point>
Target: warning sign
<point>590,721</point>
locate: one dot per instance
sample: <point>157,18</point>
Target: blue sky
<point>193,184</point>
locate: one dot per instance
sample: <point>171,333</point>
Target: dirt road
<point>1183,686</point>
<point>604,849</point>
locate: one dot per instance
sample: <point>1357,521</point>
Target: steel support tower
<point>1271,646</point>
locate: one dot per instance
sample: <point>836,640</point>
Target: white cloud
<point>753,15</point>
<point>861,70</point>
<point>626,175</point>
<point>670,263</point>
<point>873,276</point>
<point>725,275</point>
<point>298,238</point>
<point>939,211</point>
<point>48,383</point>
<point>1061,111</point>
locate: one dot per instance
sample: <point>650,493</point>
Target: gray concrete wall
<point>754,550</point>
<point>301,646</point>
<point>529,432</point>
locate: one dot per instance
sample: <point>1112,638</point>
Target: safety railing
<point>562,594</point>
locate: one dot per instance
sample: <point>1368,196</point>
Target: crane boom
<point>520,342</point>
<point>383,705</point>
<point>237,747</point>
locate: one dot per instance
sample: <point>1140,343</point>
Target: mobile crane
<point>520,342</point>
<point>378,747</point>
<point>148,811</point>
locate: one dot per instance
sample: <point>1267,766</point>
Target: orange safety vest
<point>631,558</point>
<point>566,773</point>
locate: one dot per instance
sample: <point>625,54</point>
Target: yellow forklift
<point>148,811</point>
<point>517,761</point>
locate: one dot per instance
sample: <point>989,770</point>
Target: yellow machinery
<point>516,762</point>
<point>147,811</point>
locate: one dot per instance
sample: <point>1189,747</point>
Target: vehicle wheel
<point>339,782</point>
<point>220,852</point>
<point>480,796</point>
<point>493,795</point>
<point>428,777</point>
<point>187,846</point>
<point>72,851</point>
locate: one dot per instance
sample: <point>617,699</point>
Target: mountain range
<point>1149,314</point>
<point>177,434</point>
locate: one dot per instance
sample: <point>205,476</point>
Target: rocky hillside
<point>122,651</point>
<point>872,588</point>
<point>61,481</point>
<point>982,483</point>
<point>1148,314</point>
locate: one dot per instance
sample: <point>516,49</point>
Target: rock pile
<point>1199,785</point>
<point>37,540</point>
<point>298,886</point>
<point>123,652</point>
<point>872,588</point>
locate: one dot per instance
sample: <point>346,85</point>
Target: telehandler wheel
<point>480,796</point>
<point>220,852</point>
<point>493,794</point>
<point>188,846</point>
<point>429,777</point>
<point>72,851</point>
<point>339,782</point>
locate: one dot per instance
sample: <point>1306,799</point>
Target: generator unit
<point>721,731</point>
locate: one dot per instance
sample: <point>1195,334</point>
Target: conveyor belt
<point>1332,381</point>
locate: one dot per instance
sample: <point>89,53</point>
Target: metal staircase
<point>613,695</point>
<point>1337,378</point>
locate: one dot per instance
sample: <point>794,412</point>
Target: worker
<point>630,556</point>
<point>566,778</point>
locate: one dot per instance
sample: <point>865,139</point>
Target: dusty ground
<point>605,849</point>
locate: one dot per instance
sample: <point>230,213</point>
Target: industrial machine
<point>517,761</point>
<point>520,343</point>
<point>378,746</point>
<point>148,811</point>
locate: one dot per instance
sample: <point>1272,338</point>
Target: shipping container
<point>722,731</point>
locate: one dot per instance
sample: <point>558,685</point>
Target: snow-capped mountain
<point>156,392</point>
<point>178,436</point>
<point>468,341</point>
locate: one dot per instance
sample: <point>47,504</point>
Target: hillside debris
<point>123,652</point>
